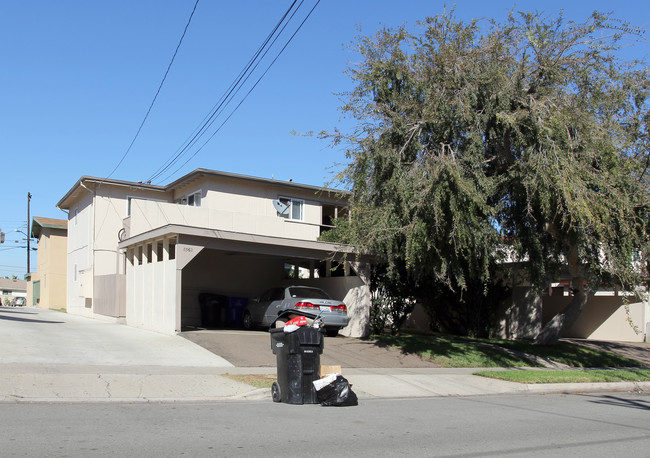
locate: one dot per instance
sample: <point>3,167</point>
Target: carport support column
<point>359,312</point>
<point>179,290</point>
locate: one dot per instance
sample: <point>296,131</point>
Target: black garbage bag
<point>337,393</point>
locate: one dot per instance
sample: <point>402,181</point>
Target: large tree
<point>479,144</point>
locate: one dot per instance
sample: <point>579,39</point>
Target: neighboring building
<point>47,286</point>
<point>609,315</point>
<point>146,252</point>
<point>10,289</point>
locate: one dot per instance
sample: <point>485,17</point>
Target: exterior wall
<point>148,215</point>
<point>96,266</point>
<point>521,316</point>
<point>603,318</point>
<point>34,280</point>
<point>250,197</point>
<point>109,295</point>
<point>52,267</point>
<point>151,292</point>
<point>80,246</point>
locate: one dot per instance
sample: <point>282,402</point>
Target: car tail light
<point>340,308</point>
<point>305,305</point>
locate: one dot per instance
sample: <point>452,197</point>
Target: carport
<point>169,267</point>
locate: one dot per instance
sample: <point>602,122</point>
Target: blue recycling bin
<point>235,311</point>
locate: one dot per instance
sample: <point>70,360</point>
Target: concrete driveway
<point>253,349</point>
<point>37,336</point>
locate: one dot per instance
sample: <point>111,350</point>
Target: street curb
<point>262,394</point>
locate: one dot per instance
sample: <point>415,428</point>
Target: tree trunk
<point>550,333</point>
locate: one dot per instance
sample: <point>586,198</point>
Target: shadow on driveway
<point>253,349</point>
<point>7,314</point>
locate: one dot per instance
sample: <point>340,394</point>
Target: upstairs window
<point>193,200</point>
<point>294,210</point>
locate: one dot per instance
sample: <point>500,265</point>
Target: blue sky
<point>77,78</point>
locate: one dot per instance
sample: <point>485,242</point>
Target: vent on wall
<point>89,302</point>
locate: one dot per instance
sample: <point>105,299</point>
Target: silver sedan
<point>285,302</point>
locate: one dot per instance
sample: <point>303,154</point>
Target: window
<point>295,208</point>
<point>76,213</point>
<point>273,294</point>
<point>172,250</point>
<point>159,251</point>
<point>193,200</point>
<point>74,274</point>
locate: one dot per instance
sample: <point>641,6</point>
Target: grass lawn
<point>570,376</point>
<point>454,351</point>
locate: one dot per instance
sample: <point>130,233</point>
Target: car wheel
<point>247,320</point>
<point>332,332</point>
<point>276,395</point>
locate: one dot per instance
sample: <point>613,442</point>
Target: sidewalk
<point>47,356</point>
<point>50,383</point>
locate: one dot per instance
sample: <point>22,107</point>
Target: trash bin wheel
<point>275,392</point>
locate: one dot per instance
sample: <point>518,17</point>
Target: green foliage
<point>392,301</point>
<point>483,143</point>
<point>471,311</point>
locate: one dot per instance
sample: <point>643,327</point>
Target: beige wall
<point>92,245</point>
<point>249,214</point>
<point>603,318</point>
<point>151,293</point>
<point>79,281</point>
<point>52,268</point>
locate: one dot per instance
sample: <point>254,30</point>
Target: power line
<point>234,89</point>
<point>247,94</point>
<point>205,123</point>
<point>157,92</point>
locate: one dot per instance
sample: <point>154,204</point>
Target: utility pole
<point>29,197</point>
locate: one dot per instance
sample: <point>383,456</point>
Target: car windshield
<point>312,293</point>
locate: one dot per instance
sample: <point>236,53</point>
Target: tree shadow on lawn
<point>456,353</point>
<point>574,355</point>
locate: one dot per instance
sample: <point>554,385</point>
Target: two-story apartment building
<point>146,252</point>
<point>47,286</point>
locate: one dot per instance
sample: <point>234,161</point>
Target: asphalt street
<point>594,425</point>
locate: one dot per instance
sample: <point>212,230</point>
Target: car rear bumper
<point>330,319</point>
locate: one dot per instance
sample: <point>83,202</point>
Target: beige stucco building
<point>145,253</point>
<point>47,286</point>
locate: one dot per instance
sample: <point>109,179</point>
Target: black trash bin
<point>298,364</point>
<point>213,310</point>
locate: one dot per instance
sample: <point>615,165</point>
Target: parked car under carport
<point>283,302</point>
